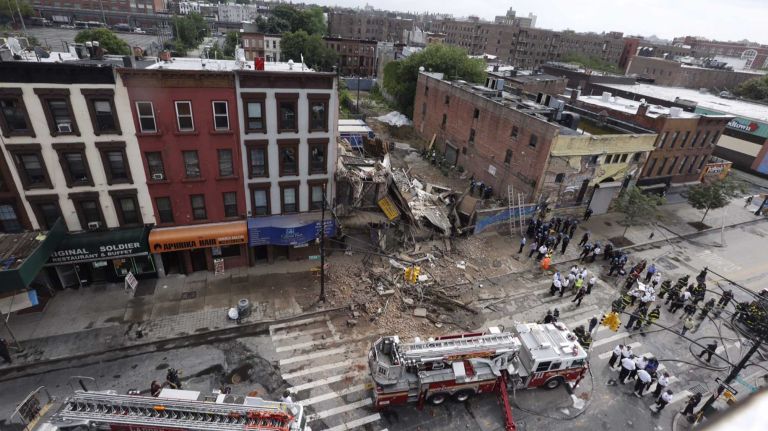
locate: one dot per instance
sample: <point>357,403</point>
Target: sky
<point>713,19</point>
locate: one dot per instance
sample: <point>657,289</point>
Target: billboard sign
<point>740,124</point>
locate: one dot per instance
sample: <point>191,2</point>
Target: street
<point>323,362</point>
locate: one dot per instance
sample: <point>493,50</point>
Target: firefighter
<point>637,315</point>
<point>709,350</point>
<point>615,354</point>
<point>666,287</point>
<point>693,401</point>
<point>155,388</point>
<point>676,303</point>
<point>725,299</point>
<point>682,282</point>
<point>549,318</point>
<point>585,341</point>
<point>584,238</point>
<point>653,316</point>
<point>608,252</point>
<point>702,277</point>
<point>707,308</point>
<point>689,309</point>
<point>617,306</point>
<point>626,299</point>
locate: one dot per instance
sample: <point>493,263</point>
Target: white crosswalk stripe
<point>602,341</point>
<point>319,369</point>
<point>356,423</point>
<point>310,356</point>
<point>331,395</point>
<point>679,396</point>
<point>304,345</point>
<point>322,382</point>
<point>607,355</point>
<point>298,334</point>
<point>341,409</point>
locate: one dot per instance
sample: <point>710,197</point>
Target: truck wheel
<point>553,383</point>
<point>462,396</point>
<point>437,399</point>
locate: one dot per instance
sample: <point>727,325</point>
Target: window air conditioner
<point>94,225</point>
<point>158,176</point>
<point>65,127</point>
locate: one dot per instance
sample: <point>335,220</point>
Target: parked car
<point>137,30</point>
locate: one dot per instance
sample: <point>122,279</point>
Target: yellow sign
<point>389,208</point>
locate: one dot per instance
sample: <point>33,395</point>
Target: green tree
<point>287,18</point>
<point>317,54</point>
<point>107,40</point>
<point>216,52</point>
<point>400,76</point>
<point>189,30</point>
<point>755,89</point>
<point>713,194</point>
<point>272,25</point>
<point>230,43</point>
<point>591,62</point>
<point>9,13</point>
<point>637,207</point>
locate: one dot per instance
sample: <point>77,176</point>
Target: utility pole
<point>21,18</point>
<point>732,375</point>
<point>322,249</point>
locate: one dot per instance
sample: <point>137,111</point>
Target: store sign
<point>261,233</point>
<point>87,252</point>
<point>740,124</point>
<point>202,236</point>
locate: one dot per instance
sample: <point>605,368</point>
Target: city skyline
<point>741,20</point>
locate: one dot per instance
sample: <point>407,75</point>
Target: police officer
<point>693,401</point>
<point>661,384</point>
<point>615,354</point>
<point>707,308</point>
<point>627,366</point>
<point>663,400</point>
<point>642,382</point>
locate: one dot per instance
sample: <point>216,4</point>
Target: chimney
<point>642,110</point>
<point>165,55</point>
<point>575,93</point>
<point>258,63</point>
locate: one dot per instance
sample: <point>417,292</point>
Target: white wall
<point>274,178</point>
<point>87,137</point>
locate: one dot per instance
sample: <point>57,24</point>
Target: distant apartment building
<point>677,74</point>
<point>578,77</point>
<point>377,26</point>
<point>260,45</point>
<point>636,46</point>
<point>685,142</point>
<point>541,149</point>
<point>755,54</point>
<point>357,57</point>
<point>237,12</point>
<point>511,18</point>
<point>531,82</point>
<point>133,6</point>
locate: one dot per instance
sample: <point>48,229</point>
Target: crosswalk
<point>326,373</point>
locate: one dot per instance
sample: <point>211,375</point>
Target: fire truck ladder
<point>187,415</point>
<point>458,345</point>
<point>509,421</point>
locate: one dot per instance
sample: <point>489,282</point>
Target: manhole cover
<point>189,295</point>
<point>699,389</point>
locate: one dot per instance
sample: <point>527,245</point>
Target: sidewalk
<point>104,317</point>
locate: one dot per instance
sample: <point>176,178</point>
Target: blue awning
<point>291,229</point>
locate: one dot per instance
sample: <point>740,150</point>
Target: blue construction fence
<point>365,83</point>
<point>485,219</point>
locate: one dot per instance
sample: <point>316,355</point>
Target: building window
<point>661,166</point>
<point>260,203</point>
<point>164,210</point>
<point>14,119</point>
<point>127,207</point>
<point>672,166</point>
<point>115,162</point>
<point>559,178</point>
<point>515,132</point>
<point>476,114</point>
<point>88,210</point>
<point>674,139</point>
<point>318,112</point>
<point>318,157</point>
<point>191,164</point>
<point>9,221</point>
<point>704,141</point>
<point>146,112</point>
<point>623,158</point>
<point>198,207</point>
<point>184,119</point>
<point>226,164</point>
<point>254,113</point>
<point>682,165</point>
<point>316,195</point>
<point>471,139</point>
<point>101,108</point>
<point>714,138</point>
<point>701,164</point>
<point>636,157</point>
<point>257,159</point>
<point>31,167</point>
<point>695,138</point>
<point>651,164</point>
<point>58,111</point>
<point>230,204</point>
<point>534,140</point>
<point>289,160</point>
<point>508,157</point>
<point>287,112</point>
<point>74,164</point>
<point>289,193</point>
<point>46,209</point>
<point>155,165</point>
<point>444,121</point>
<point>685,138</point>
<point>662,140</point>
<point>447,100</point>
<point>693,164</point>
<point>220,115</point>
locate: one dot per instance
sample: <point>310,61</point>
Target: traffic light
<point>412,274</point>
<point>615,322</point>
<point>604,320</point>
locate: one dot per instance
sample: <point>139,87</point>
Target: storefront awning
<point>292,229</point>
<point>19,269</point>
<point>198,236</point>
<point>102,245</point>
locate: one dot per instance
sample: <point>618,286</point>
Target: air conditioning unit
<point>65,127</point>
<point>158,176</point>
<point>94,225</point>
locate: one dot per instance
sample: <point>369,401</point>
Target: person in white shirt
<point>591,284</point>
<point>286,397</point>
<point>557,287</point>
<point>584,273</point>
<point>656,279</point>
<point>643,380</point>
<point>627,366</point>
<point>640,364</point>
<point>661,384</point>
<point>663,400</point>
<point>616,354</point>
<point>686,296</point>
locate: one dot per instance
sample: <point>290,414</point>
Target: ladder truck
<point>460,366</point>
<point>105,411</point>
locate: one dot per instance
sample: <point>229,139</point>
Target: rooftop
<point>630,106</point>
<point>705,100</point>
<point>186,63</point>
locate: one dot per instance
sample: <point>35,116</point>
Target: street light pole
<point>21,18</point>
<point>322,249</point>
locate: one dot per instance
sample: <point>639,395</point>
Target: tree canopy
<point>189,30</point>
<point>317,54</point>
<point>755,89</point>
<point>638,208</point>
<point>591,62</point>
<point>400,76</point>
<point>713,194</point>
<point>286,18</point>
<point>107,40</point>
<point>8,12</point>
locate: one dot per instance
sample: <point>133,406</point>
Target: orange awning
<point>199,236</point>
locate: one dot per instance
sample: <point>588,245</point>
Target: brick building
<point>578,77</point>
<point>357,57</point>
<point>266,46</point>
<point>372,25</point>
<point>188,132</point>
<point>676,74</point>
<point>685,140</point>
<point>531,82</point>
<point>755,54</point>
<point>544,149</point>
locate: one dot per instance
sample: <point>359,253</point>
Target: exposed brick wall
<point>672,73</point>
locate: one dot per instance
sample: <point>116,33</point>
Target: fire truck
<point>173,410</point>
<point>459,366</point>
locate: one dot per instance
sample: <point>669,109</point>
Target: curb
<point>136,349</point>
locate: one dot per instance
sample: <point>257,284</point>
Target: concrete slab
<point>192,305</point>
<point>217,301</point>
<point>165,309</point>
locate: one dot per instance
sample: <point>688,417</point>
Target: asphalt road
<point>324,362</point>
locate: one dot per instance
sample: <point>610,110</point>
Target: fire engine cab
<point>459,366</point>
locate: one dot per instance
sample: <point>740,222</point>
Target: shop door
<point>172,262</point>
<point>451,154</point>
<point>280,252</point>
<point>260,253</point>
<point>68,276</point>
<point>199,260</point>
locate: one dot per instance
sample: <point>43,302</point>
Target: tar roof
<point>631,106</point>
